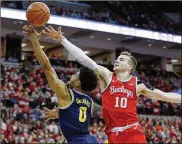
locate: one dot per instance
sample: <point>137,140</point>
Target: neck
<point>123,76</point>
<point>80,90</point>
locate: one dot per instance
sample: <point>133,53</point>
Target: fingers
<point>45,116</point>
<point>59,29</point>
<point>26,32</point>
<point>47,29</point>
<point>28,29</point>
<point>47,120</point>
<point>51,28</point>
<point>46,109</point>
<point>32,28</point>
<point>25,28</point>
<point>45,33</point>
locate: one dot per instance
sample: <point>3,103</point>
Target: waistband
<point>119,129</point>
<point>79,135</point>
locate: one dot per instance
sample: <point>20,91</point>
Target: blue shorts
<point>83,139</point>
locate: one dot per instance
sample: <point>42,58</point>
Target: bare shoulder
<point>58,86</point>
<point>63,94</point>
<point>61,88</point>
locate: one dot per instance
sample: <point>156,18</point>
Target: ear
<point>78,83</point>
<point>130,66</point>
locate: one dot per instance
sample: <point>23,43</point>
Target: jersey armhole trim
<point>137,94</point>
<point>107,84</point>
<point>92,108</point>
<point>69,104</point>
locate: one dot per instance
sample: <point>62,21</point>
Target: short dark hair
<point>88,79</point>
<point>132,61</point>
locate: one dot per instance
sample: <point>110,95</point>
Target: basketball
<point>38,14</point>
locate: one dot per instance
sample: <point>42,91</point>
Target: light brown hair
<point>132,61</point>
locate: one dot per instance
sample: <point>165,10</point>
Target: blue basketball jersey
<point>75,117</point>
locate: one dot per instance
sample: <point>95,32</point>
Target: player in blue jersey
<point>75,106</point>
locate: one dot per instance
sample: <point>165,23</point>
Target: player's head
<point>85,79</point>
<point>125,62</point>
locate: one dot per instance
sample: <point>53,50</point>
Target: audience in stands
<point>129,15</point>
<point>24,93</point>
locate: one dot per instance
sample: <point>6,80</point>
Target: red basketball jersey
<point>119,103</point>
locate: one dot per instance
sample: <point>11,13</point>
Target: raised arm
<point>157,94</point>
<point>58,86</point>
<point>76,52</point>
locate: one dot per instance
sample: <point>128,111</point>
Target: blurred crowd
<point>161,129</point>
<point>130,14</point>
<point>24,93</point>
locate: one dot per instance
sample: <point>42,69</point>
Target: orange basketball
<point>38,14</point>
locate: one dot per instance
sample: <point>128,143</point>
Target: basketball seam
<point>38,6</point>
<point>44,11</point>
<point>43,16</point>
<point>36,17</point>
<point>42,19</point>
<point>33,11</point>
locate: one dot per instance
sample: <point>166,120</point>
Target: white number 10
<point>123,102</point>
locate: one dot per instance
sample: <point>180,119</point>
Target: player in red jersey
<point>120,91</point>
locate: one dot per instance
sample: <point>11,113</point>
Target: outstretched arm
<point>79,55</point>
<point>58,86</point>
<point>157,94</point>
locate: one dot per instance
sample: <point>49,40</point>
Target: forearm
<point>40,55</point>
<point>164,96</point>
<point>174,98</point>
<point>78,54</point>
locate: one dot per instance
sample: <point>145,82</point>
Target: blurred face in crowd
<point>74,81</point>
<point>122,64</point>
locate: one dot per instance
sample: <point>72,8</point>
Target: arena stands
<point>25,92</point>
<point>146,15</point>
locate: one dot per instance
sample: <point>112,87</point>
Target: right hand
<point>50,114</point>
<point>51,33</point>
<point>31,32</point>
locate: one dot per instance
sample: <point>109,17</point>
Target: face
<point>74,81</point>
<point>122,64</point>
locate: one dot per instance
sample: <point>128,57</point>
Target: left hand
<point>51,33</point>
<point>31,32</point>
<point>50,114</point>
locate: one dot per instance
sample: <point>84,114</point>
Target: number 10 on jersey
<point>121,102</point>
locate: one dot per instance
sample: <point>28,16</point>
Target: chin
<point>116,69</point>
